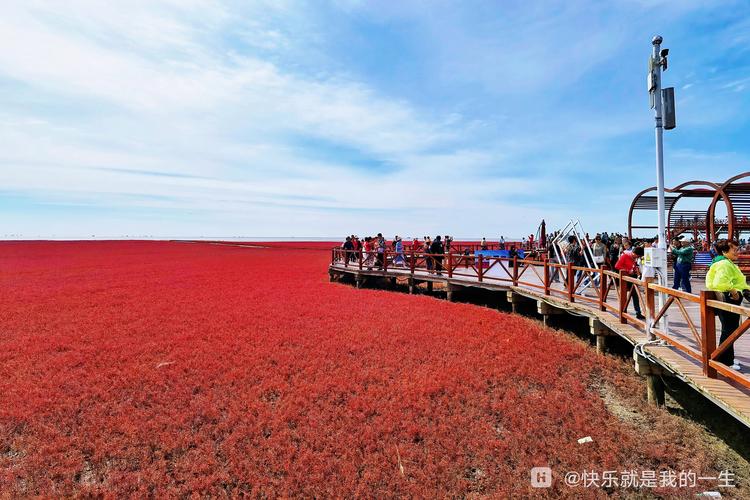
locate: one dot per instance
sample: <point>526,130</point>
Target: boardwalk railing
<point>605,290</point>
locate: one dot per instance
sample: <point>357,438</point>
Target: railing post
<point>480,268</point>
<point>571,282</point>
<point>385,260</point>
<point>360,259</point>
<point>602,288</point>
<point>545,262</point>
<point>650,307</point>
<point>623,298</point>
<point>708,333</point>
<point>515,270</point>
<point>346,258</point>
<point>450,265</point>
<point>413,262</point>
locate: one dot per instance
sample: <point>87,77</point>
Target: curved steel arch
<point>679,190</point>
<point>632,208</point>
<point>690,183</point>
<point>690,193</point>
<point>724,192</point>
<point>736,177</point>
<point>718,191</point>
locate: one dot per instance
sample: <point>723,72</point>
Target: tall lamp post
<point>662,101</point>
<point>656,96</point>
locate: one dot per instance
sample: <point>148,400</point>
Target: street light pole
<point>657,257</point>
<point>656,71</point>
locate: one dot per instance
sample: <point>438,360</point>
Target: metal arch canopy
<point>711,190</point>
<point>643,202</point>
<point>697,216</point>
<point>737,199</point>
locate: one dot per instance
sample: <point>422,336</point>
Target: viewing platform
<point>686,349</point>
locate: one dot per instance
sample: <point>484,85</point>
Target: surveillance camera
<point>657,40</point>
<point>664,52</point>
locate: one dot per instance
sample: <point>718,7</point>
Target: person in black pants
<point>348,247</point>
<point>727,281</point>
<point>628,264</point>
<point>512,253</point>
<point>438,250</point>
<point>380,251</point>
<point>729,323</point>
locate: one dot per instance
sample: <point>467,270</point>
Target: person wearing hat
<point>682,254</point>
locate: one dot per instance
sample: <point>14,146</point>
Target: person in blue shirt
<point>399,247</point>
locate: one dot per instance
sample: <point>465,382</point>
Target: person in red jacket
<point>369,253</point>
<point>357,247</point>
<point>628,264</point>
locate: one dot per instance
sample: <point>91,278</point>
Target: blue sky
<point>236,118</point>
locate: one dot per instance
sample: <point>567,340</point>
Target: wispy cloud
<point>327,118</point>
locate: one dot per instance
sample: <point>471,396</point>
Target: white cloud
<point>172,117</point>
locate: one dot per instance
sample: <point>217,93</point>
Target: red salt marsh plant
<point>136,368</point>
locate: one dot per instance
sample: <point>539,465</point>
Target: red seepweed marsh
<point>165,368</point>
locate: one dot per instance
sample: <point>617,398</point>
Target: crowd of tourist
<point>373,250</point>
<point>616,252</point>
<point>601,251</point>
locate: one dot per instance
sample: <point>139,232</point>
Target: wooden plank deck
<point>726,393</point>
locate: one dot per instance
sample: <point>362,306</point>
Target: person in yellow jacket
<point>725,278</point>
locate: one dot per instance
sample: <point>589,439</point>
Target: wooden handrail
<point>717,304</point>
<point>650,307</point>
<point>731,339</point>
<point>708,333</point>
<point>663,309</point>
<point>571,282</point>
<point>623,287</point>
<point>586,269</point>
<point>675,293</point>
<point>631,279</point>
<point>613,274</point>
<point>704,332</point>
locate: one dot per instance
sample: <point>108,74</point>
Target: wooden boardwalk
<point>581,294</point>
